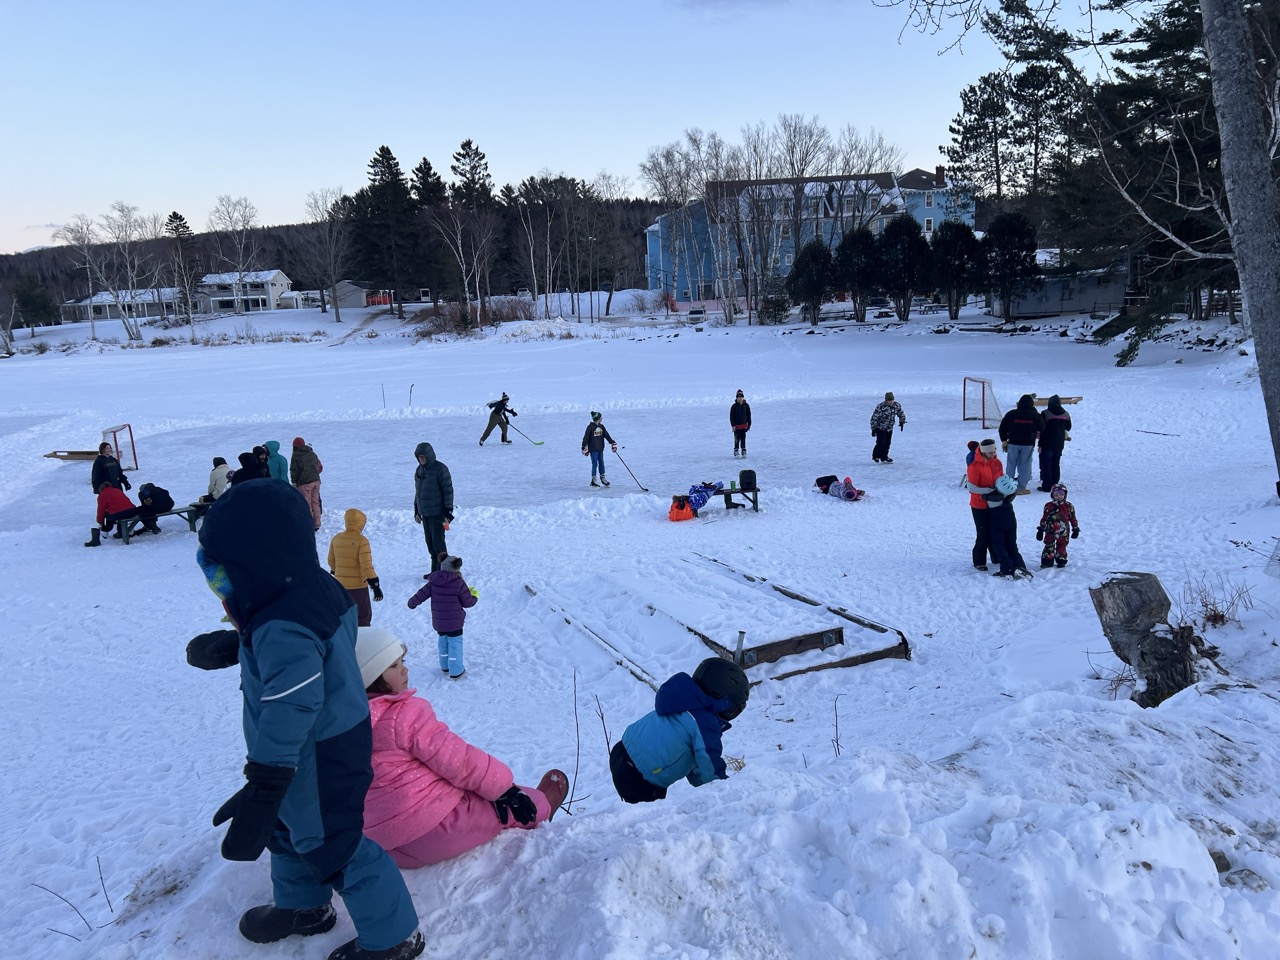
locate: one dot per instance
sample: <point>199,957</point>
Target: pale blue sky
<point>168,105</point>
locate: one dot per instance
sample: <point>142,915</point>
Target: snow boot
<point>554,785</point>
<point>269,923</point>
<point>404,950</point>
<point>603,481</point>
<point>95,537</point>
<point>980,566</point>
<point>593,482</point>
<point>887,460</point>
<point>1003,575</point>
<point>1046,562</point>
<point>1062,561</point>
<point>1024,573</point>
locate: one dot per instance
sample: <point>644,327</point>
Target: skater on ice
<point>500,415</point>
<point>593,441</point>
<point>882,418</point>
<point>740,422</point>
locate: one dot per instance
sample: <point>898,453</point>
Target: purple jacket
<point>449,595</point>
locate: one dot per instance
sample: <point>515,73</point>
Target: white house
<point>256,290</point>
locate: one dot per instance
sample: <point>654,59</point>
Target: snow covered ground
<point>986,799</point>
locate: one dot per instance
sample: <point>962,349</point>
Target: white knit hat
<point>376,649</point>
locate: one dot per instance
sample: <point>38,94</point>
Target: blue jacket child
<point>306,724</point>
<point>681,736</point>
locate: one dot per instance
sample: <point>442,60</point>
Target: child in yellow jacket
<point>351,561</point>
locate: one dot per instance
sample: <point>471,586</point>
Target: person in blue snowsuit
<point>306,727</point>
<point>681,737</point>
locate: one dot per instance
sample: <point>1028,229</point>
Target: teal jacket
<point>277,463</point>
<point>681,737</point>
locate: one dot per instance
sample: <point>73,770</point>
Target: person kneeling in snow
<point>434,796</point>
<point>681,736</point>
<point>306,728</point>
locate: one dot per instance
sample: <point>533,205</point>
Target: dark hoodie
<point>1023,424</point>
<point>432,485</point>
<point>304,701</point>
<point>250,469</point>
<point>681,737</point>
<point>1057,423</point>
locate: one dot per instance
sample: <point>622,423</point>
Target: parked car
<point>877,303</point>
<point>697,313</point>
<point>524,292</point>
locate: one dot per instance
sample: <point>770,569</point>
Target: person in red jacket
<point>112,500</point>
<point>980,479</point>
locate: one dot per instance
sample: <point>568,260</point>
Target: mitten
<point>901,427</point>
<point>873,431</point>
<point>518,805</point>
<point>1039,533</point>
<point>253,811</point>
<point>376,588</point>
<point>474,592</point>
<point>214,651</point>
<point>1004,445</point>
<point>1075,533</point>
<point>413,603</point>
<point>127,484</point>
<point>448,518</point>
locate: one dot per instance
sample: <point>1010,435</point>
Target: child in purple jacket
<point>449,596</point>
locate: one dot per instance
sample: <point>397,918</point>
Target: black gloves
<point>127,484</point>
<point>253,811</point>
<point>1075,533</point>
<point>376,588</point>
<point>214,651</point>
<point>520,805</point>
<point>1039,533</point>
<point>448,518</point>
<point>873,431</point>
<point>417,517</point>
<point>513,413</point>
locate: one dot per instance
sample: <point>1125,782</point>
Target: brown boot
<point>554,785</point>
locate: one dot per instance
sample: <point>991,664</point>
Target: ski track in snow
<point>986,799</point>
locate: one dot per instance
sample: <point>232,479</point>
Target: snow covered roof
<point>253,276</point>
<point>156,295</point>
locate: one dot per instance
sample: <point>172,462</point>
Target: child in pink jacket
<point>434,796</point>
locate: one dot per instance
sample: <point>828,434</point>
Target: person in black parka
<point>1057,430</point>
<point>432,501</point>
<point>740,422</point>
<point>107,467</point>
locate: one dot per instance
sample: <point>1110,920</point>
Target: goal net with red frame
<point>121,440</point>
<point>979,402</point>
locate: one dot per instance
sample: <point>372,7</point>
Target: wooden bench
<point>73,454</point>
<point>1044,401</point>
<point>751,497</point>
<point>190,513</point>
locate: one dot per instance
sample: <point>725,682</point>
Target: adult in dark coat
<point>306,724</point>
<point>432,501</point>
<point>1057,430</point>
<point>1019,429</point>
<point>107,467</point>
<point>740,423</point>
<point>250,469</point>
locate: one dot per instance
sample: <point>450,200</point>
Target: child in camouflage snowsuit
<point>1057,525</point>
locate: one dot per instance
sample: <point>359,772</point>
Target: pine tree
<point>903,258</point>
<point>855,268</point>
<point>955,263</point>
<point>809,282</point>
<point>1009,258</point>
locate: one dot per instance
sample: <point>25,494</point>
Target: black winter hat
<point>219,462</point>
<point>724,679</point>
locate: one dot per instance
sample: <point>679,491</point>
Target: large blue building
<point>726,243</point>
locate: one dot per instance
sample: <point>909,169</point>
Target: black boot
<point>1062,561</point>
<point>269,923</point>
<point>95,537</point>
<point>406,949</point>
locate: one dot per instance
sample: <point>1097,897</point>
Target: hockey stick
<point>536,443</point>
<point>633,476</point>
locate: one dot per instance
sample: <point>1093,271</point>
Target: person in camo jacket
<point>882,418</point>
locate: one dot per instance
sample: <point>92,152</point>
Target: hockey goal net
<point>979,402</point>
<point>121,440</point>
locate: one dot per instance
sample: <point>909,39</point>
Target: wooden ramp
<point>73,454</point>
<point>658,619</point>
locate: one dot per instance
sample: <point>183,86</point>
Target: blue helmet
<point>1006,485</point>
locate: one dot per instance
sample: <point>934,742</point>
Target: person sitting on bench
<point>155,501</point>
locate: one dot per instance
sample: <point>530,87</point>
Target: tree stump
<point>1133,609</point>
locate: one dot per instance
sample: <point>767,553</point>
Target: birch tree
<point>234,225</point>
<point>326,245</point>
